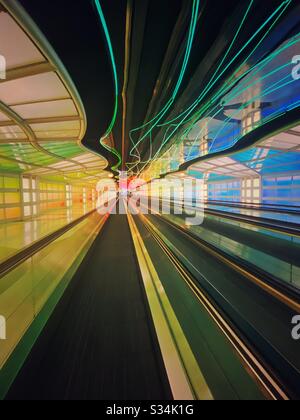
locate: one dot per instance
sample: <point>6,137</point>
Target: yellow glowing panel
<point>11,183</point>
<point>55,204</point>
<point>13,213</point>
<point>12,198</point>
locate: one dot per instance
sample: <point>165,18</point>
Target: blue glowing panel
<point>270,89</point>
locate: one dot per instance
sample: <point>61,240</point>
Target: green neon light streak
<point>286,3</point>
<point>171,101</point>
<point>226,87</point>
<point>211,84</point>
<point>114,68</point>
<point>242,88</point>
<point>192,31</point>
<point>258,66</point>
<point>169,104</point>
<point>235,95</point>
<point>255,98</point>
<point>195,11</point>
<point>225,56</point>
<point>271,89</point>
<point>162,113</point>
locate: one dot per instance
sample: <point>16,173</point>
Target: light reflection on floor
<point>15,236</point>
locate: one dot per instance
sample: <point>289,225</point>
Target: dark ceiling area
<point>158,37</point>
<point>74,31</point>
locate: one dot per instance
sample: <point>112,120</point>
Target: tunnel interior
<point>149,200</point>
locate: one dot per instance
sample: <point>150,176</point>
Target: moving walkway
<point>105,337</point>
<point>285,216</point>
<point>271,248</point>
<point>100,341</point>
<point>259,314</point>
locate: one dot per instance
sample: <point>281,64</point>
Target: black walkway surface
<point>100,342</point>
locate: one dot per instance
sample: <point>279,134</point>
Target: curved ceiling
<point>157,38</point>
<point>42,119</point>
<point>150,40</point>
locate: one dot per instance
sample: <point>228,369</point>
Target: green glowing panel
<point>65,150</point>
<point>10,166</point>
<point>26,153</point>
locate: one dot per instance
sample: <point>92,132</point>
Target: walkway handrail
<point>280,226</point>
<point>15,260</point>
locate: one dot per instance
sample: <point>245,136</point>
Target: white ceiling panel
<point>15,46</point>
<point>64,108</point>
<point>41,87</point>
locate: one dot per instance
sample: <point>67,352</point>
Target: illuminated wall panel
<point>77,196</point>
<point>251,190</point>
<point>69,202</point>
<point>282,190</point>
<point>224,191</point>
<point>247,101</point>
<point>30,197</point>
<point>10,198</point>
<point>26,289</point>
<point>52,196</point>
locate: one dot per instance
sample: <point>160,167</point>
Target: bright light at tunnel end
<point>180,196</point>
